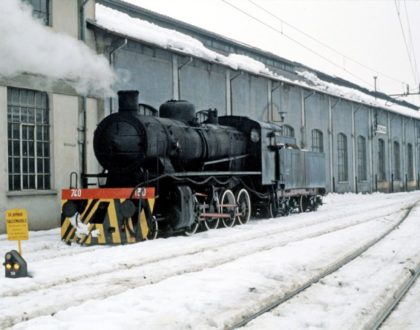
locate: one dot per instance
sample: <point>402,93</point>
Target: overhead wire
<point>410,35</point>
<point>405,41</point>
<point>345,57</point>
<point>295,41</point>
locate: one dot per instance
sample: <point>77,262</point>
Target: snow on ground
<point>207,281</point>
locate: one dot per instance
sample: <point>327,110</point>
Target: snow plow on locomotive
<point>183,171</point>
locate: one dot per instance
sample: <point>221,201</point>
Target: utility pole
<point>407,92</point>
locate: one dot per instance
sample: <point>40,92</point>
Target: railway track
<point>379,318</point>
<point>405,314</point>
<point>403,283</point>
<point>40,249</point>
<point>149,271</point>
<point>122,256</point>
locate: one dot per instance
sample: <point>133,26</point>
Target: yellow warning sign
<point>17,224</point>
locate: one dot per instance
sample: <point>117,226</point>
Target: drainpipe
<point>403,149</point>
<point>179,72</point>
<point>370,141</point>
<point>415,151</point>
<point>82,128</point>
<point>230,90</point>
<point>270,101</point>
<point>112,60</point>
<point>391,150</point>
<point>303,119</point>
<point>331,137</point>
<point>353,133</point>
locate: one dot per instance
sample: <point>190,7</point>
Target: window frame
<point>342,158</point>
<point>361,158</point>
<point>288,131</point>
<point>410,162</point>
<point>418,128</point>
<point>29,140</point>
<point>381,160</point>
<point>396,155</point>
<point>40,10</point>
<point>317,140</point>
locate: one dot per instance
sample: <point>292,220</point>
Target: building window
<point>40,9</point>
<point>397,170</point>
<point>381,160</point>
<point>342,159</point>
<point>361,158</point>
<point>28,140</point>
<point>417,168</point>
<point>410,165</point>
<point>317,141</point>
<point>288,131</point>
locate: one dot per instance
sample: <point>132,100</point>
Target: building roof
<point>140,24</point>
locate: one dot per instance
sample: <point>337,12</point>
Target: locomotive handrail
<point>214,173</point>
<point>97,175</point>
<point>227,159</point>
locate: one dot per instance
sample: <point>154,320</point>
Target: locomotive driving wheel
<point>312,203</point>
<point>153,230</point>
<point>194,227</point>
<point>284,206</point>
<point>212,207</point>
<point>211,223</point>
<point>303,203</point>
<point>227,207</point>
<point>244,206</point>
<point>271,210</point>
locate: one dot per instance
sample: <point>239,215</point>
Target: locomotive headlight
<point>254,136</point>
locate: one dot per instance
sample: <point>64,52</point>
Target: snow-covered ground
<point>214,279</point>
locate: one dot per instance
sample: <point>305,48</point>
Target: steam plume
<point>27,46</point>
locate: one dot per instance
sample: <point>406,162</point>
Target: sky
<point>355,40</point>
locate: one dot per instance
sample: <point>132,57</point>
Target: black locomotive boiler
<point>205,171</point>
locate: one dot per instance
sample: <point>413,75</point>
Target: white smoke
<point>27,46</point>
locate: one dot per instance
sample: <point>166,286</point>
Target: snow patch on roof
<point>356,95</point>
<point>243,62</point>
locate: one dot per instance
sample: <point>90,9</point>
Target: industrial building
<point>370,145</point>
<point>371,141</point>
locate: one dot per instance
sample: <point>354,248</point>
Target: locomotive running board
<point>106,215</point>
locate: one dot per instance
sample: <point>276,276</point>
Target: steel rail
<point>380,318</point>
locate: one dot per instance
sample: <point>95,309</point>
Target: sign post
<point>17,226</point>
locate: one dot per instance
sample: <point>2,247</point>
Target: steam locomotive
<point>184,171</point>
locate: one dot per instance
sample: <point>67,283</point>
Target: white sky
<point>368,32</point>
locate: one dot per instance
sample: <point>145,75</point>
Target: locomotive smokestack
<point>128,101</point>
